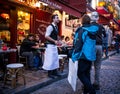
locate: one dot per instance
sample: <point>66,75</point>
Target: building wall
<point>66,31</point>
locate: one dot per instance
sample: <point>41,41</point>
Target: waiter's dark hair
<point>86,19</point>
<point>53,16</point>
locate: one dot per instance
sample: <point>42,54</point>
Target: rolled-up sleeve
<point>49,30</point>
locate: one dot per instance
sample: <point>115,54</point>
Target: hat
<point>94,16</point>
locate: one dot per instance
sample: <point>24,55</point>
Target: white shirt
<point>49,30</point>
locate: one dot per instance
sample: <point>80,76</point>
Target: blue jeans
<point>37,61</point>
<point>30,57</point>
<point>84,67</point>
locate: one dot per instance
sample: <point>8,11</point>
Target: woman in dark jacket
<point>84,52</point>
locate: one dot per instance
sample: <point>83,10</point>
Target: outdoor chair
<point>62,58</point>
<point>22,59</point>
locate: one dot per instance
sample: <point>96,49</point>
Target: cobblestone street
<point>109,80</point>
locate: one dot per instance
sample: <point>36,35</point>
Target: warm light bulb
<point>37,4</point>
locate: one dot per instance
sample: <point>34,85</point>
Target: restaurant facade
<point>18,18</point>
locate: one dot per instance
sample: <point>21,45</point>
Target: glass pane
<point>23,26</point>
<point>4,27</point>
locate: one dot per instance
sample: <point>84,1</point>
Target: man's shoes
<point>96,86</point>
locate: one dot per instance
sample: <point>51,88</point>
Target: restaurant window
<point>23,26</point>
<point>4,27</point>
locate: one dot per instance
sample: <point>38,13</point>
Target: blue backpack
<point>84,44</point>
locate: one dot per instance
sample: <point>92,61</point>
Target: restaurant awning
<point>68,7</point>
<point>104,12</point>
<point>102,19</point>
<point>89,8</point>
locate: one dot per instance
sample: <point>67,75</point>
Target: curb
<point>40,85</point>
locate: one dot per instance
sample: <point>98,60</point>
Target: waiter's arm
<point>50,39</point>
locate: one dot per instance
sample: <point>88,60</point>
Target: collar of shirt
<point>53,24</point>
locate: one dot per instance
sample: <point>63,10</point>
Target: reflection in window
<point>23,26</point>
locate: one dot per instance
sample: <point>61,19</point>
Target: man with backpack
<point>99,52</point>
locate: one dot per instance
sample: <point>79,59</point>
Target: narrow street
<point>110,80</point>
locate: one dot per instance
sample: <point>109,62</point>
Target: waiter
<point>51,62</point>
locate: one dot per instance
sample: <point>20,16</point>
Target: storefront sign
<point>72,23</point>
<point>52,4</point>
<point>41,28</point>
<point>42,20</point>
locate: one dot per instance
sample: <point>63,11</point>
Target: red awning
<point>103,20</point>
<point>66,6</point>
<point>104,12</point>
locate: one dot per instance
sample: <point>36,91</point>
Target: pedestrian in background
<point>117,42</point>
<point>99,52</point>
<point>84,52</point>
<point>51,62</point>
<point>105,43</point>
<point>37,53</point>
<point>67,40</point>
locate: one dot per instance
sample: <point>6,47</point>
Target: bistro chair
<point>22,59</point>
<point>62,58</point>
<point>13,72</point>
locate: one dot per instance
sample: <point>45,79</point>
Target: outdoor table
<point>7,51</point>
<point>3,53</point>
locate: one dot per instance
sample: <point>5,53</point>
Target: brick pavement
<point>34,81</point>
<point>109,80</point>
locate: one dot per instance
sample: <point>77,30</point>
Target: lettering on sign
<point>52,4</point>
<point>72,23</point>
<point>42,25</point>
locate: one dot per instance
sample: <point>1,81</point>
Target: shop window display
<point>23,26</point>
<point>4,27</point>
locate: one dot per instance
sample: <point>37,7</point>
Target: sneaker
<point>96,86</point>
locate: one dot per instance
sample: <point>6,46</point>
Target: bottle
<point>4,47</point>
